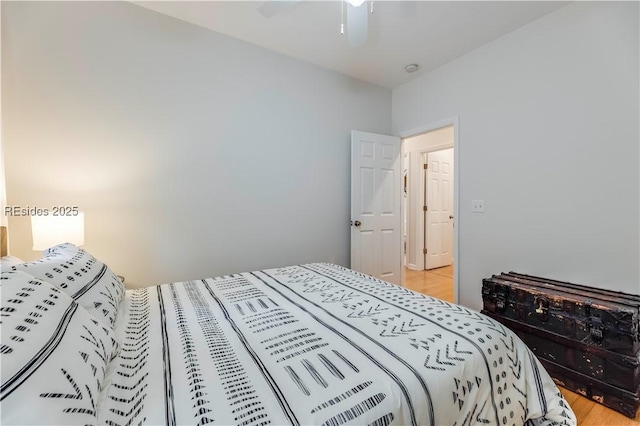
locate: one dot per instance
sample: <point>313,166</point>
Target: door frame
<point>421,192</point>
<point>453,121</point>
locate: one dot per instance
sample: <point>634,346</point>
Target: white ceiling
<point>429,33</point>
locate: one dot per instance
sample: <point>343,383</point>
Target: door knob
<point>357,223</point>
<point>450,216</point>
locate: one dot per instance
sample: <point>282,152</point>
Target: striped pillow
<point>54,354</point>
<point>83,277</point>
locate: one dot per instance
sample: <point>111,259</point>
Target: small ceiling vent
<point>411,68</point>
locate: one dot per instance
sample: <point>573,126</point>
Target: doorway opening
<point>429,210</point>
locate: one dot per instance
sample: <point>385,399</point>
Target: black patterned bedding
<point>308,344</point>
<point>318,344</point>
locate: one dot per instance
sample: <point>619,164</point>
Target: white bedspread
<point>318,344</point>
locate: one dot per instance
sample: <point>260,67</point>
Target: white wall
<point>416,147</point>
<point>192,154</point>
<point>549,137</point>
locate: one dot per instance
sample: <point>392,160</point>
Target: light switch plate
<point>477,206</point>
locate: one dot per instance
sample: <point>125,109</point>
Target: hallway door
<point>439,209</point>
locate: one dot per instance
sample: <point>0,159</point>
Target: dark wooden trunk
<point>610,396</point>
<point>588,338</point>
<point>596,317</point>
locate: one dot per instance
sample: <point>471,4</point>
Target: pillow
<point>54,354</point>
<point>83,277</point>
<point>8,261</point>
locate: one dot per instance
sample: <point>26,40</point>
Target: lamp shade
<point>48,231</point>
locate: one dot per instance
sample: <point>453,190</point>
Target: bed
<point>306,344</point>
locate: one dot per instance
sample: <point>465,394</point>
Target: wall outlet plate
<point>477,206</point>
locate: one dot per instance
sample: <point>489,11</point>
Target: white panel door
<point>376,227</point>
<point>439,214</point>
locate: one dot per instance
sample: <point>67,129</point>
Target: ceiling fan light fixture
<point>355,3</point>
<point>411,68</point>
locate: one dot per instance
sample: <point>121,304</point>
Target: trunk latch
<point>542,309</point>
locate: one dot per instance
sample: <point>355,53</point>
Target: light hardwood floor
<point>439,283</point>
<point>434,282</point>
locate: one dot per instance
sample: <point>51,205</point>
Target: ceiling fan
<point>356,14</point>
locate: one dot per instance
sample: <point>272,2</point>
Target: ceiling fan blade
<point>357,21</point>
<point>274,7</point>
